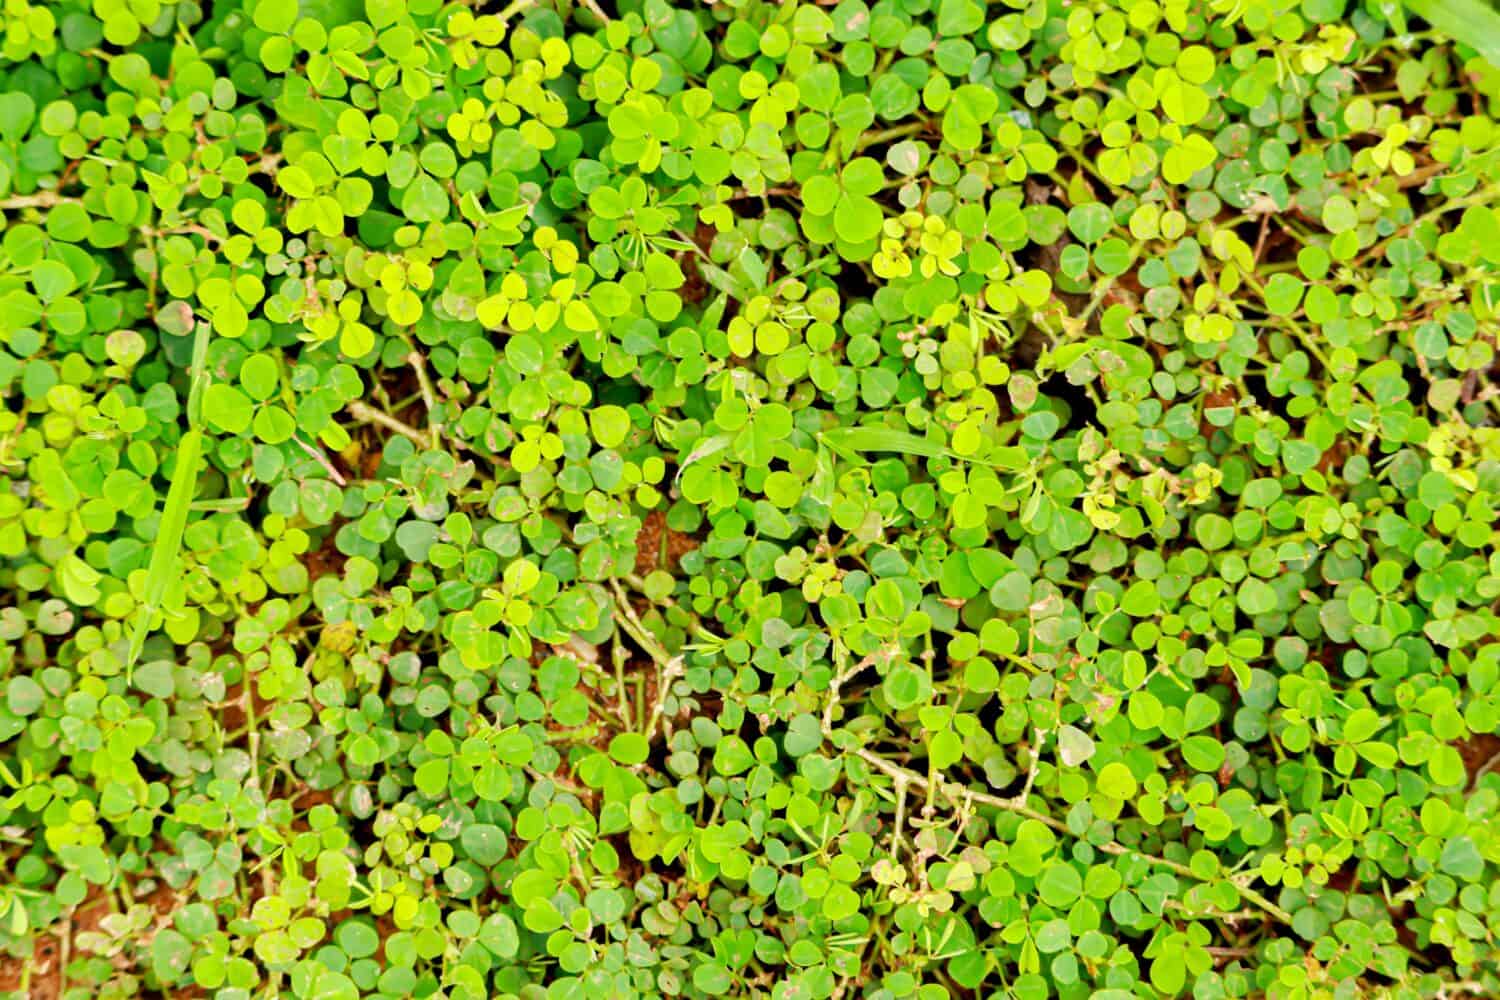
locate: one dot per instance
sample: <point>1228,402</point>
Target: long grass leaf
<point>164,552</point>
<point>707,448</point>
<point>850,440</point>
<point>164,563</point>
<point>1473,22</point>
<point>882,439</point>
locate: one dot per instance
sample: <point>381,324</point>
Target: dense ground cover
<point>795,500</point>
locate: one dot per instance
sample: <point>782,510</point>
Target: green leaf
<point>1074,746</point>
<point>23,696</point>
<point>1169,971</point>
<point>1256,597</point>
<point>880,439</point>
<point>1116,781</point>
<point>17,112</point>
<point>610,425</point>
<point>906,687</point>
<point>1339,214</point>
<point>485,844</point>
<point>1203,753</point>
<point>431,778</point>
<point>52,280</point>
<point>227,409</point>
<point>424,200</point>
<point>1470,21</point>
<point>857,218</point>
<point>164,565</point>
<point>969,111</point>
<point>500,936</point>
<point>960,17</point>
<point>1461,859</point>
<point>1060,885</point>
<point>78,580</point>
<point>1362,724</point>
<point>357,938</point>
<point>275,16</point>
<point>712,978</point>
<point>629,748</point>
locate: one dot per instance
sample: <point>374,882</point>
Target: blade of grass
<point>850,440</point>
<point>164,552</point>
<point>706,449</point>
<point>1472,22</point>
<point>165,564</point>
<point>881,439</point>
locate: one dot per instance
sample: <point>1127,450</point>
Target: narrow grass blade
<point>881,439</point>
<point>164,553</point>
<point>1472,22</point>
<point>850,441</point>
<point>706,449</point>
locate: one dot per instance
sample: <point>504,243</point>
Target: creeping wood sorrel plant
<point>583,499</point>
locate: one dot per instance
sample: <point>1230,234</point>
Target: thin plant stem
<point>366,413</point>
